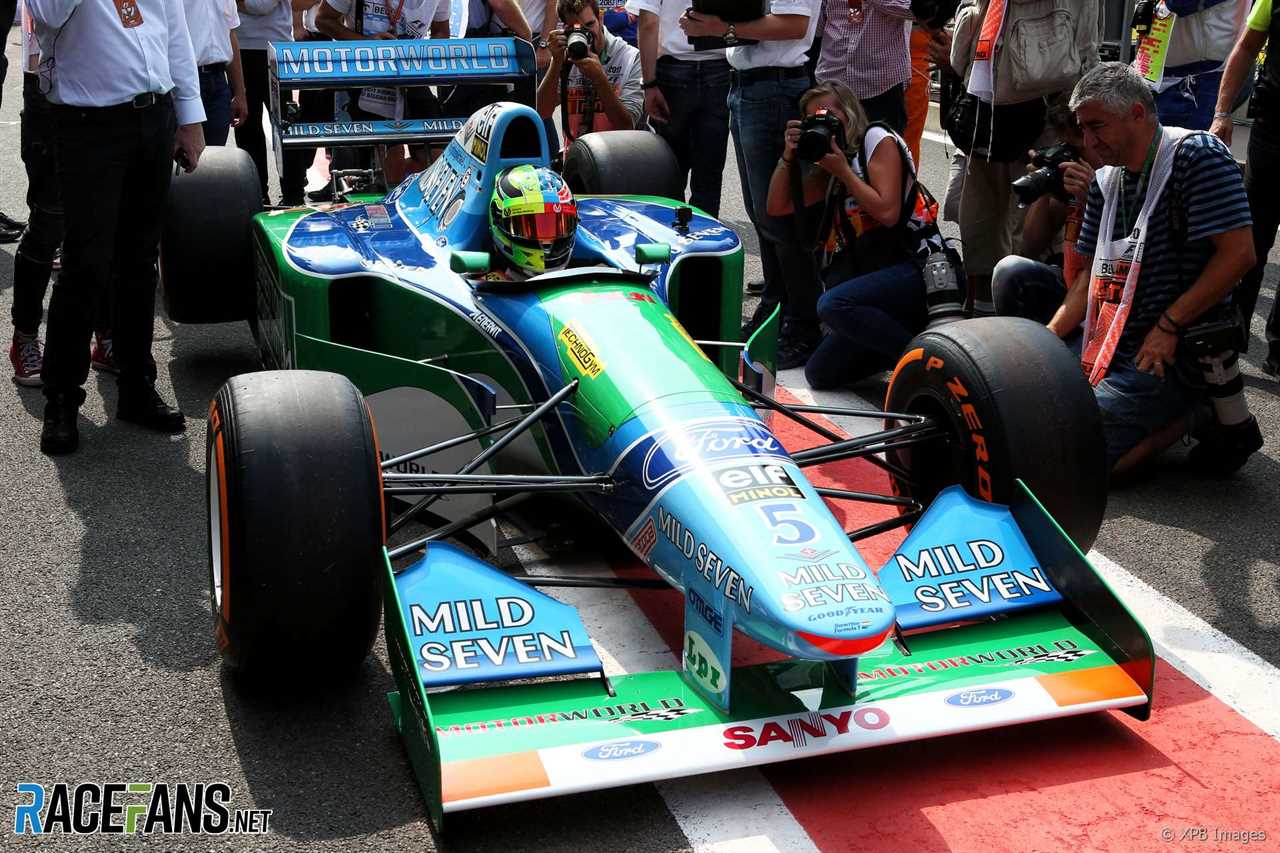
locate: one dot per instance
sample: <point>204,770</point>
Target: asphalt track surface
<point>110,672</point>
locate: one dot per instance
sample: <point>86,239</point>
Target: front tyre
<point>1015,405</point>
<point>295,525</point>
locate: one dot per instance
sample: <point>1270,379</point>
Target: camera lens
<point>1030,187</point>
<point>578,46</point>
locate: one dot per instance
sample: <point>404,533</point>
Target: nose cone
<point>749,539</point>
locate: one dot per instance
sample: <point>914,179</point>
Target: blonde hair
<point>855,119</point>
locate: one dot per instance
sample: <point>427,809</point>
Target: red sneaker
<point>27,360</point>
<point>101,358</point>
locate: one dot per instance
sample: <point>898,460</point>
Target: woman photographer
<point>878,225</point>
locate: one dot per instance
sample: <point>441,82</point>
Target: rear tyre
<point>623,162</point>
<point>295,525</point>
<point>206,245</point>
<point>1016,406</point>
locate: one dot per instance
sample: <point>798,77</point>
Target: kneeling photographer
<point>1054,193</point>
<point>884,260</point>
<point>1167,236</point>
<point>595,78</point>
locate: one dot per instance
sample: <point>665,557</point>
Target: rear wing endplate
<point>389,64</point>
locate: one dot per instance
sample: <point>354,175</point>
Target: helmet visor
<point>543,227</point>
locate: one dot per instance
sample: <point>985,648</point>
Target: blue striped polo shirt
<point>1209,185</point>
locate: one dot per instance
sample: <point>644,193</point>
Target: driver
<point>533,220</point>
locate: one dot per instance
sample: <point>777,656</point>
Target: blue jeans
<point>215,93</point>
<point>758,116</point>
<point>1135,404</point>
<point>698,128</point>
<point>1021,287</point>
<point>1191,103</point>
<point>872,319</point>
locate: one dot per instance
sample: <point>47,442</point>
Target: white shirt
<point>91,60</point>
<point>264,21</point>
<point>30,46</point>
<point>671,39</point>
<point>210,23</point>
<point>779,54</point>
<point>535,12</point>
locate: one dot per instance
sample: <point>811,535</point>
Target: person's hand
<point>836,164</point>
<point>239,110</point>
<point>557,42</point>
<point>700,24</point>
<point>939,49</point>
<point>791,139</point>
<point>1158,351</point>
<point>383,36</point>
<point>655,105</point>
<point>1222,128</point>
<point>188,145</point>
<point>1077,177</point>
<point>591,68</point>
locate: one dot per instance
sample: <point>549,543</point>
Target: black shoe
<point>321,195</point>
<point>60,435</point>
<point>797,342</point>
<point>1271,366</point>
<point>10,235</point>
<point>762,312</point>
<point>8,223</point>
<point>1224,449</point>
<point>755,288</point>
<point>143,406</point>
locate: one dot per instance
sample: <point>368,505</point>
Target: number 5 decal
<point>784,518</point>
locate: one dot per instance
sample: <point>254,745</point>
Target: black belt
<point>213,68</point>
<point>755,75</point>
<point>139,102</point>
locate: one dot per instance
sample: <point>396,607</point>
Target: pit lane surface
<point>110,672</point>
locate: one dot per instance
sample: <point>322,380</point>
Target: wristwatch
<point>731,36</point>
<point>651,84</point>
<point>540,43</point>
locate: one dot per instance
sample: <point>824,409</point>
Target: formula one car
<point>621,381</point>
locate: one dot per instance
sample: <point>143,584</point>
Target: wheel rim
<point>215,525</point>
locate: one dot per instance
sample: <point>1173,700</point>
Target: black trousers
<point>8,8</point>
<point>249,136</point>
<point>114,168</point>
<point>890,107</point>
<point>33,261</point>
<point>1262,181</point>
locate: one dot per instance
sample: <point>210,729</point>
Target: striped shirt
<point>1207,182</point>
<point>872,55</point>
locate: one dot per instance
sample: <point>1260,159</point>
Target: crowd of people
<point>1135,237</point>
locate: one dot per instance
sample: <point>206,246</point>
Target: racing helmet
<point>533,219</point>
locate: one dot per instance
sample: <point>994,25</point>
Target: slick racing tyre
<point>206,246</point>
<point>623,162</point>
<point>1015,405</point>
<point>295,525</point>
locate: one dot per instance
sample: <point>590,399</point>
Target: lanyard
<point>393,19</point>
<point>1142,180</point>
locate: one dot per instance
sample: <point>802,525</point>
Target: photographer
<point>1054,195</point>
<point>1167,236</point>
<point>602,83</point>
<point>880,223</point>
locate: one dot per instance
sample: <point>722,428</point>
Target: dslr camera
<point>816,133</point>
<point>1047,178</point>
<point>580,42</point>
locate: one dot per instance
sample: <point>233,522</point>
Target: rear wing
<point>397,64</point>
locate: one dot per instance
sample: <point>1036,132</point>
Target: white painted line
<point>733,812</point>
<point>1219,664</point>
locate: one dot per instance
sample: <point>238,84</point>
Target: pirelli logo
<point>750,483</point>
<point>581,353</point>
